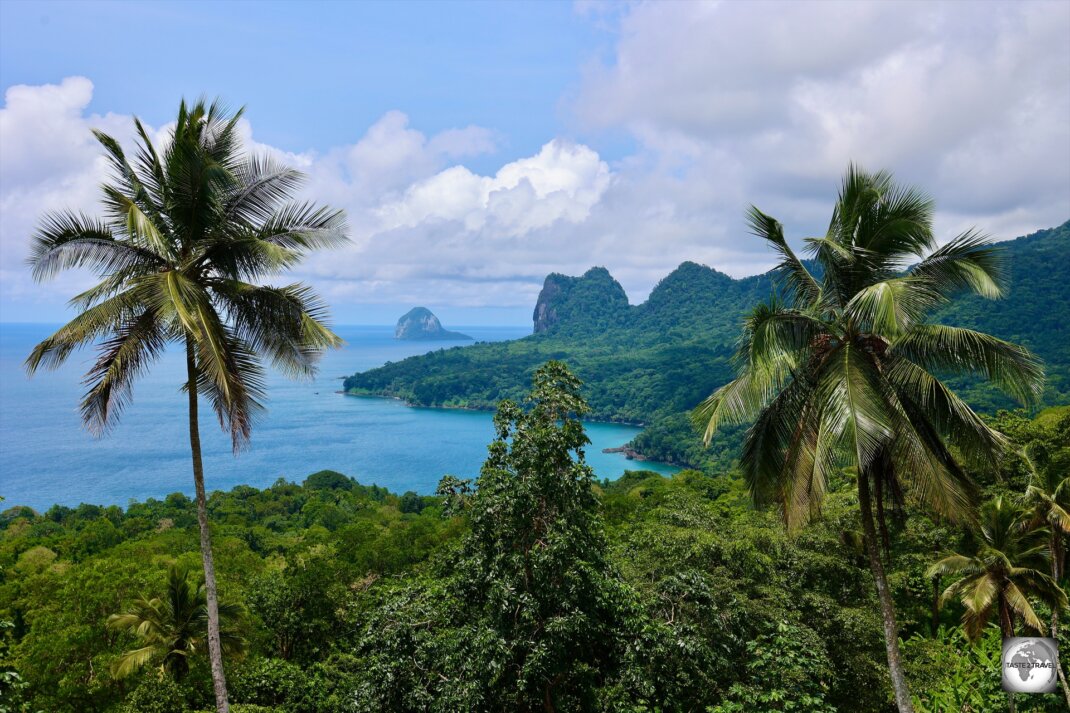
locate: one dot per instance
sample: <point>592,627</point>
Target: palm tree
<point>1003,575</point>
<point>1048,499</point>
<point>188,235</point>
<point>174,628</point>
<point>837,371</point>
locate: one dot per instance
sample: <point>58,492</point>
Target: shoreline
<point>629,453</point>
<point>608,422</point>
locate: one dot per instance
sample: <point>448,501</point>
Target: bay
<point>47,457</point>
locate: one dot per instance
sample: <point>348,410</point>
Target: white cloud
<point>968,100</point>
<point>422,224</point>
<point>728,104</point>
<point>561,182</point>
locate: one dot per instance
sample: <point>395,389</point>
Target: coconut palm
<point>1048,499</point>
<point>188,234</point>
<point>1006,572</point>
<point>838,370</point>
<point>174,628</point>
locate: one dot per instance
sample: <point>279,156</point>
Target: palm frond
<point>901,227</point>
<point>89,326</point>
<point>923,463</point>
<point>766,443</point>
<point>969,261</point>
<point>151,172</point>
<point>67,240</point>
<point>262,185</point>
<point>135,345</point>
<point>963,351</point>
<point>890,307</point>
<point>851,396</point>
<point>952,565</point>
<point>230,374</point>
<point>288,324</point>
<point>1020,603</point>
<point>132,661</point>
<point>952,418</point>
<point>799,284</point>
<point>301,227</point>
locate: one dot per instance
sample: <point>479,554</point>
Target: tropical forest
<point>834,480</point>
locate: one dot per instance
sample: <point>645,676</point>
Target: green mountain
<point>650,363</point>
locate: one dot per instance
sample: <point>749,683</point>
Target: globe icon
<point>1030,665</point>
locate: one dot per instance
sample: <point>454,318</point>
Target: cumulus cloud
<point>562,182</point>
<point>969,100</point>
<point>424,227</point>
<point>48,160</point>
<point>727,104</point>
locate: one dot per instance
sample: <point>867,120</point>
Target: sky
<point>477,147</point>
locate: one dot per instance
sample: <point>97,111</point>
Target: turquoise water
<point>47,457</point>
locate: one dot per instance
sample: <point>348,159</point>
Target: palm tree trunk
<point>1057,574</point>
<point>891,631</point>
<point>215,649</point>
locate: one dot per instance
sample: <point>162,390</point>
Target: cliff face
<point>420,324</point>
<point>594,299</point>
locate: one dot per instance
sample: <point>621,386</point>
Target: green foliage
<point>954,674</point>
<point>329,480</point>
<point>158,694</point>
<point>527,617</point>
<point>173,628</point>
<point>299,604</point>
<point>532,572</point>
<point>1007,570</point>
<point>788,670</point>
<point>697,600</point>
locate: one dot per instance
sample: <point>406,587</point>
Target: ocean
<point>47,457</point>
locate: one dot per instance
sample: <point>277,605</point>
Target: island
<point>420,324</point>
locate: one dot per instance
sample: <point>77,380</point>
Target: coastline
<point>626,449</point>
<point>607,421</point>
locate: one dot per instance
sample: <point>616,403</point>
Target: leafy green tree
<point>187,237</point>
<point>533,571</point>
<point>173,628</point>
<point>840,370</point>
<point>299,605</point>
<point>788,671</point>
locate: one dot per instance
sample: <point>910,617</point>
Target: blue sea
<point>47,457</point>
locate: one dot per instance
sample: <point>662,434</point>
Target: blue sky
<point>313,74</point>
<point>477,147</point>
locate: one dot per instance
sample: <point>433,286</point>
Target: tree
<point>533,574</point>
<point>1048,498</point>
<point>187,237</point>
<point>838,371</point>
<point>1003,575</point>
<point>173,628</point>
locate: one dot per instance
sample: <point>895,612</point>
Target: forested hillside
<point>650,363</point>
<point>659,594</point>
